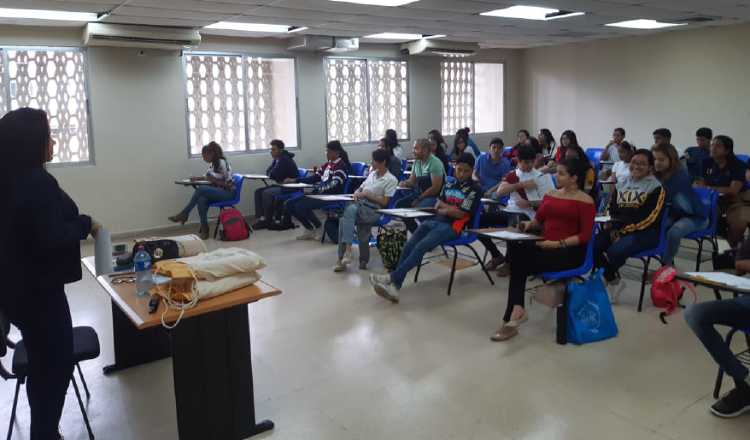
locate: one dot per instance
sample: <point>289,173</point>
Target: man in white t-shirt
<point>611,151</point>
<point>361,214</point>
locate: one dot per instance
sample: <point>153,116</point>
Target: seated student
<point>724,173</point>
<point>491,167</point>
<point>425,181</point>
<point>394,163</point>
<point>547,142</point>
<point>574,151</point>
<point>329,179</point>
<point>439,147</point>
<point>470,141</point>
<point>460,145</point>
<point>362,214</point>
<point>566,219</point>
<point>567,138</point>
<point>636,209</point>
<point>621,168</point>
<point>521,137</point>
<point>283,169</point>
<point>662,136</point>
<point>391,141</point>
<point>612,150</point>
<point>695,156</point>
<point>220,189</point>
<point>687,214</point>
<point>457,202</point>
<point>703,319</point>
<point>526,187</point>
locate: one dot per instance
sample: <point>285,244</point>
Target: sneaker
<point>733,404</point>
<point>340,266</point>
<point>384,287</point>
<point>615,289</point>
<point>309,234</point>
<point>347,258</point>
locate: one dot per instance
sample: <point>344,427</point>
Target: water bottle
<point>143,279</point>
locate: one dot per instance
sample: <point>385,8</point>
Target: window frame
<point>474,95</point>
<point>367,82</point>
<point>86,89</point>
<point>244,55</point>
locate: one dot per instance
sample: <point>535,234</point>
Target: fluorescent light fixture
<point>430,37</point>
<point>644,24</point>
<point>293,29</point>
<point>250,27</point>
<point>531,13</point>
<point>394,36</point>
<point>378,2</point>
<point>43,14</point>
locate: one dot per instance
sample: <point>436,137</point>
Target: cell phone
<point>153,304</point>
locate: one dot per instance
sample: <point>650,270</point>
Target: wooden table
<point>210,349</point>
<point>738,288</point>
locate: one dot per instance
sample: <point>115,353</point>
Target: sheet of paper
<point>723,278</point>
<point>602,219</point>
<point>333,197</point>
<point>103,252</point>
<point>510,235</point>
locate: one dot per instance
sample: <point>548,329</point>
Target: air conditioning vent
<point>148,37</point>
<point>320,43</point>
<point>439,48</point>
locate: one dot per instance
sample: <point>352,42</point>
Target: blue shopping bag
<point>590,316</point>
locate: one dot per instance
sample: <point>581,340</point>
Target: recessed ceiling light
<point>293,29</point>
<point>378,2</point>
<point>644,24</point>
<point>430,37</point>
<point>531,13</point>
<point>43,14</point>
<point>249,27</point>
<point>394,36</point>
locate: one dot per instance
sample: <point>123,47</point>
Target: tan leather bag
<point>551,295</point>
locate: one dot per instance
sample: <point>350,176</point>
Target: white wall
<point>681,80</point>
<point>139,133</point>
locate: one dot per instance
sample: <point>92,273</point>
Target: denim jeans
<point>429,235</point>
<point>203,196</point>
<point>679,230</point>
<point>264,201</point>
<point>703,317</point>
<point>303,209</point>
<point>360,216</point>
<point>406,202</point>
<point>617,252</point>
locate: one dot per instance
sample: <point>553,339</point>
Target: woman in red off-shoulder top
<point>566,221</point>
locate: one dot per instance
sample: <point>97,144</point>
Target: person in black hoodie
<point>39,254</point>
<point>283,169</point>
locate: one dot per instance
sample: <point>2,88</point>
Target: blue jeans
<point>205,195</point>
<point>360,217</point>
<point>617,252</point>
<point>679,230</point>
<point>303,209</point>
<point>406,202</point>
<point>703,317</point>
<point>429,235</point>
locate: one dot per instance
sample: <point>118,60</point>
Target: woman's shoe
<point>504,333</point>
<point>203,232</point>
<point>179,218</point>
<point>515,323</point>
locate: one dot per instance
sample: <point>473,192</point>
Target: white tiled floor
<point>333,361</point>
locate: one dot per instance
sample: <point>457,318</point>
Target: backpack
<point>232,225</point>
<point>667,290</point>
<point>390,244</point>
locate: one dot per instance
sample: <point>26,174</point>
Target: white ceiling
<point>457,19</point>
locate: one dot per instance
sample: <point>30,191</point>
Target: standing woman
<point>221,187</point>
<point>41,230</point>
<point>391,142</point>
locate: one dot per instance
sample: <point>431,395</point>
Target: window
<point>472,96</point>
<point>53,80</point>
<point>240,102</point>
<point>366,97</point>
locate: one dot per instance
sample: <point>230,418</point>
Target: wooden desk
<point>739,288</point>
<point>210,351</point>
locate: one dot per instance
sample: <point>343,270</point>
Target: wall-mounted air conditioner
<point>321,43</point>
<point>147,37</point>
<point>441,48</point>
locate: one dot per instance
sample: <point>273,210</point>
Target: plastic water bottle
<point>143,279</point>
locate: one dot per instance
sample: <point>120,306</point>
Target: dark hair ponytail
<point>217,154</point>
<point>336,146</point>
<point>578,168</point>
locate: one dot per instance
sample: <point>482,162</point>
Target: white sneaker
<point>384,287</point>
<point>309,234</point>
<point>340,266</point>
<point>615,289</point>
<point>347,258</point>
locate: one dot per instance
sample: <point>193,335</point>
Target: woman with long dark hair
<point>439,147</point>
<point>391,142</point>
<point>547,142</point>
<point>40,253</point>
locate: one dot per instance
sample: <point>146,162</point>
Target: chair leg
<point>13,409</point>
<point>700,256</point>
<point>83,409</point>
<point>453,270</point>
<point>646,264</point>
<point>216,229</point>
<point>416,274</point>
<point>83,381</point>
<point>481,263</point>
<point>720,374</point>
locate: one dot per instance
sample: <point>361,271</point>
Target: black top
<point>43,251</point>
<point>283,168</point>
<point>723,177</point>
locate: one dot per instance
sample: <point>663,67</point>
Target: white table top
<point>255,176</point>
<point>406,212</point>
<point>296,185</point>
<point>188,182</point>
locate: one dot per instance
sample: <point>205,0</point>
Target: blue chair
<point>359,168</point>
<point>238,179</point>
<point>743,356</point>
<point>595,156</point>
<point>710,199</point>
<point>655,253</point>
<point>465,239</point>
<point>450,179</point>
<point>301,174</point>
<point>742,158</point>
<point>404,165</point>
<point>507,150</point>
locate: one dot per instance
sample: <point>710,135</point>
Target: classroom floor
<point>333,361</point>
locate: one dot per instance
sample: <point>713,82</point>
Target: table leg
<point>213,377</point>
<point>135,347</point>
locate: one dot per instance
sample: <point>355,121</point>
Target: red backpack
<point>232,225</point>
<point>667,290</point>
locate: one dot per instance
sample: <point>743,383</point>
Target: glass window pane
<point>457,91</point>
<point>389,103</point>
<point>488,89</point>
<point>346,100</point>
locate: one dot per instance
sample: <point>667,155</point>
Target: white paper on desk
<point>103,252</point>
<point>509,235</point>
<point>726,279</point>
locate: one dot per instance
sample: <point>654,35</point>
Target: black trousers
<point>45,324</point>
<point>527,259</point>
<point>492,219</point>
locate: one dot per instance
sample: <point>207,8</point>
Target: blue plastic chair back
<point>579,271</point>
<point>659,250</point>
<point>742,158</point>
<point>710,199</point>
<point>302,173</point>
<point>404,165</point>
<point>507,150</point>
<point>450,179</point>
<point>359,168</point>
<point>238,179</point>
<point>595,156</point>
